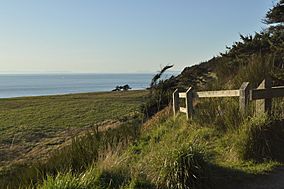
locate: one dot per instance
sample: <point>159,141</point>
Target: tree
<point>155,79</point>
<point>160,92</point>
<point>275,16</point>
<point>124,88</point>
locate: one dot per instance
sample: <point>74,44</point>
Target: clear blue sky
<point>120,35</point>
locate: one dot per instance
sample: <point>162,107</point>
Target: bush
<point>222,114</point>
<point>254,70</point>
<point>91,178</point>
<point>184,168</point>
<point>261,139</point>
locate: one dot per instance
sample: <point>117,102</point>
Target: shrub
<point>222,114</point>
<point>91,178</point>
<point>160,92</point>
<point>66,181</point>
<point>184,168</point>
<point>254,70</point>
<point>260,139</point>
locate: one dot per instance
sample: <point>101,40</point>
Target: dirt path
<point>273,180</point>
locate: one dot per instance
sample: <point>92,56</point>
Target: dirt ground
<point>273,180</point>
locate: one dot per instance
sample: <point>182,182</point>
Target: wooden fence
<point>263,96</point>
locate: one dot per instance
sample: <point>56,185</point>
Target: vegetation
<point>124,88</point>
<point>33,127</point>
<point>160,92</point>
<point>218,148</point>
<point>174,153</point>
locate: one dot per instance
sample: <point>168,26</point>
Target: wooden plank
<point>268,101</point>
<point>217,94</point>
<point>244,97</point>
<point>267,93</point>
<point>175,102</point>
<point>182,109</point>
<point>182,95</point>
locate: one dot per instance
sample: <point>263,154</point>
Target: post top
<point>175,90</point>
<point>189,89</point>
<point>244,85</point>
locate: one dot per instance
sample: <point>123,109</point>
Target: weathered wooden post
<point>175,102</point>
<point>189,103</point>
<point>244,97</point>
<point>264,105</point>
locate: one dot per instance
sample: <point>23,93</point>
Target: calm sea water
<point>51,84</point>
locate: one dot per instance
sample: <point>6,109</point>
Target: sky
<point>120,36</point>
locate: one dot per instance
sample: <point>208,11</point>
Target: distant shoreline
<point>26,85</point>
<point>69,94</point>
<point>71,73</point>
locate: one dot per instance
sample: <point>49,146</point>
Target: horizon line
<point>61,72</point>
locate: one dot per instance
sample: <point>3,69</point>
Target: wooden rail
<point>262,95</point>
<point>217,94</point>
<point>266,93</point>
<point>212,94</point>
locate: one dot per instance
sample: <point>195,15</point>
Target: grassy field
<point>31,127</point>
<point>213,150</point>
<point>172,152</point>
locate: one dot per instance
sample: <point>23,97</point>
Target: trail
<point>272,180</point>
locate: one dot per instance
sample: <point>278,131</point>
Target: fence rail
<point>217,94</point>
<point>267,93</point>
<point>262,95</point>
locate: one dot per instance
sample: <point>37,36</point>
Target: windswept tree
<point>275,16</point>
<point>160,91</point>
<point>156,78</point>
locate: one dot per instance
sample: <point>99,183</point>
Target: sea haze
<point>17,85</point>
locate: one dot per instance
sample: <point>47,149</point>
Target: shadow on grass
<point>227,178</point>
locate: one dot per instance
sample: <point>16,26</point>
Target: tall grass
<point>254,70</point>
<point>175,153</point>
<point>260,139</point>
<point>221,113</point>
<point>76,157</point>
<point>184,167</point>
<point>94,178</point>
<point>91,178</point>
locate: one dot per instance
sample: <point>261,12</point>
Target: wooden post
<point>244,97</point>
<point>264,105</point>
<point>268,101</point>
<point>189,103</point>
<point>175,102</point>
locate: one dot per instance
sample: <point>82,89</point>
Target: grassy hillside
<point>32,127</point>
<point>219,148</point>
<point>174,153</point>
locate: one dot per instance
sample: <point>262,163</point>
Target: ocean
<point>18,85</point>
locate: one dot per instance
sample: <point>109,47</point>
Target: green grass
<point>175,153</point>
<point>169,152</point>
<point>32,127</point>
<point>63,111</point>
<point>219,148</point>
